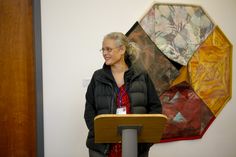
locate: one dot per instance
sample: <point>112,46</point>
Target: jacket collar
<point>105,75</point>
<point>133,71</point>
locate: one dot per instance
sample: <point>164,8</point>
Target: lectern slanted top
<point>150,127</point>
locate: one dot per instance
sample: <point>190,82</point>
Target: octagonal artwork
<point>189,60</point>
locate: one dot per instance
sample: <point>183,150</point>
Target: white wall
<point>72,32</point>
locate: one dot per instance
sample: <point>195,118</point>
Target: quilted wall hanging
<point>188,58</point>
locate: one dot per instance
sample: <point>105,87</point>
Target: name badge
<point>121,110</point>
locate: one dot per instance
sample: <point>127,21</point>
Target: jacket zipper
<point>127,88</point>
<point>112,99</point>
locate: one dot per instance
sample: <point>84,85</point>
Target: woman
<point>120,87</point>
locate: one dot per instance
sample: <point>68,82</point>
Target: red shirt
<point>122,101</point>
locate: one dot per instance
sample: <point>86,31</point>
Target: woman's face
<point>111,53</point>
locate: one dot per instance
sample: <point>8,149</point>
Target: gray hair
<point>132,49</point>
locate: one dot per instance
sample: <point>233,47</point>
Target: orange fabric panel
<point>210,71</point>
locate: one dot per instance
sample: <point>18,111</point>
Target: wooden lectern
<point>129,129</point>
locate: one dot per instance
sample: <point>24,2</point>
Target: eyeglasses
<point>107,49</point>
